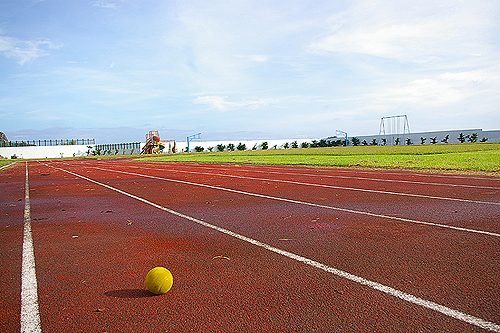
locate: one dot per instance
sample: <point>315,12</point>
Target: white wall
<point>45,151</point>
<point>182,146</point>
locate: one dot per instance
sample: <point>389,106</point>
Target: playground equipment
<point>155,146</point>
<point>394,128</point>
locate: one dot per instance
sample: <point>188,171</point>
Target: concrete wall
<point>45,151</point>
<point>493,136</point>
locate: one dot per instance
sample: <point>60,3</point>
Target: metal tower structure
<point>394,130</point>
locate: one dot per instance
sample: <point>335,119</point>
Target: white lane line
<point>361,178</point>
<point>415,174</point>
<point>374,285</point>
<point>331,186</point>
<point>7,165</point>
<point>30,316</point>
<point>306,203</point>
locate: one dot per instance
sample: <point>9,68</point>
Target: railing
<point>118,146</point>
<point>47,143</point>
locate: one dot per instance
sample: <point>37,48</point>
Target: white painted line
<point>374,285</point>
<point>365,178</point>
<point>409,173</point>
<point>308,203</point>
<point>333,186</point>
<point>30,316</point>
<point>7,165</point>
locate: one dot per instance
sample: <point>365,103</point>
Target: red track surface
<point>94,245</point>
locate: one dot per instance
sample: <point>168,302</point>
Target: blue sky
<point>115,69</point>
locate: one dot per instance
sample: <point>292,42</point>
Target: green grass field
<point>472,157</point>
<point>466,158</point>
<point>4,162</point>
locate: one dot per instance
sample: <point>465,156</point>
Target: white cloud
<point>24,51</point>
<point>445,89</point>
<point>255,57</point>
<point>104,4</point>
<point>220,103</point>
<point>416,32</point>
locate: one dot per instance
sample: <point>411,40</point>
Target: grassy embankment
<point>4,162</point>
<point>471,157</point>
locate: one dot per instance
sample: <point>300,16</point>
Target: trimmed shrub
<point>461,138</point>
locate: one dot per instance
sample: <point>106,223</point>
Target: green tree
<point>221,147</point>
<point>295,144</point>
<point>374,142</point>
<point>355,141</point>
<point>264,145</point>
<point>434,140</point>
<point>286,145</point>
<point>445,139</point>
<point>408,141</point>
<point>230,147</point>
<point>241,146</point>
<point>199,149</point>
<point>473,137</point>
<point>397,141</point>
<point>422,140</point>
<point>461,138</point>
<point>304,145</point>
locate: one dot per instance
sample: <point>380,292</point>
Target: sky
<point>234,70</point>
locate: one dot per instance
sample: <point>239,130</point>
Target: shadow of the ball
<point>130,293</point>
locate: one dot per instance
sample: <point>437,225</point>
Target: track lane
<point>91,280</point>
<point>445,255</point>
<point>396,187</point>
<point>261,292</point>
<point>452,213</point>
<point>12,182</point>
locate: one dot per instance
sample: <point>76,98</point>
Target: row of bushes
<point>336,142</point>
<point>433,140</point>
<point>328,142</point>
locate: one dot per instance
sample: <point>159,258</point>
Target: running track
<point>251,249</point>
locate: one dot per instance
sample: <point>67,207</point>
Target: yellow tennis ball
<point>159,280</point>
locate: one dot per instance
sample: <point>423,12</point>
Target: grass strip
<point>483,157</point>
<point>5,162</point>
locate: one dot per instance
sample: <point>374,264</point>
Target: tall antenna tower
<point>393,130</point>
